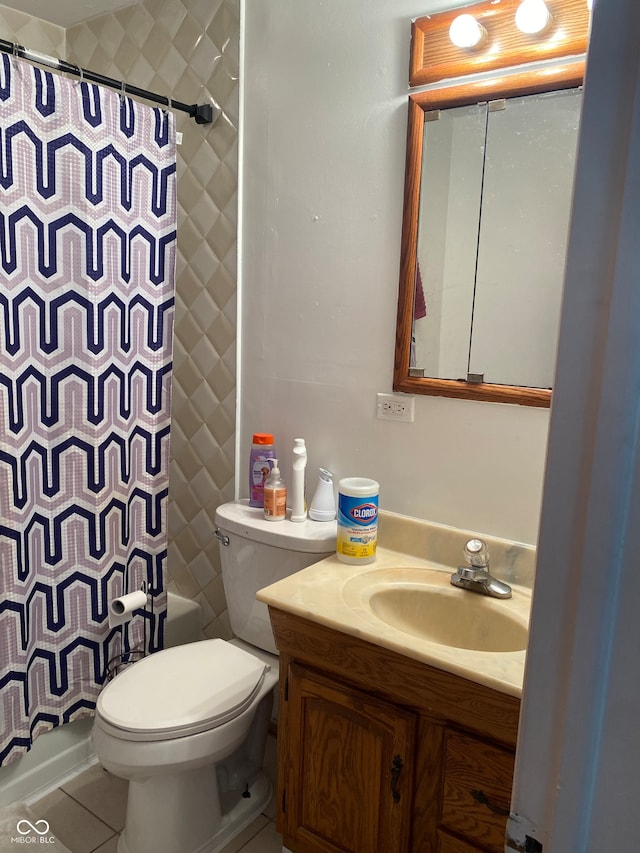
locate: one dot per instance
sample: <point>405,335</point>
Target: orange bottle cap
<point>262,438</point>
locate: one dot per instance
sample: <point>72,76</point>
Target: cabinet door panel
<point>451,844</point>
<point>350,774</point>
<point>477,790</point>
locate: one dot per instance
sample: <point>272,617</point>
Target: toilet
<point>187,726</point>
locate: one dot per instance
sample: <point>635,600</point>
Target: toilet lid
<point>183,690</point>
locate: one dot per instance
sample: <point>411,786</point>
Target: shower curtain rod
<point>202,113</point>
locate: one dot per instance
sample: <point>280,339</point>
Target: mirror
<point>493,220</point>
<point>488,184</point>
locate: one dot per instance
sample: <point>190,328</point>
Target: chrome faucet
<point>475,576</point>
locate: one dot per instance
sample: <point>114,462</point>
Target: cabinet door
<point>349,769</point>
<point>477,790</point>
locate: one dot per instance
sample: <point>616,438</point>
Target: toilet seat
<point>181,691</point>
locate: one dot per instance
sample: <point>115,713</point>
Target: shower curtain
<point>87,244</point>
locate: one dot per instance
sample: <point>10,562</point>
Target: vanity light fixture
<point>557,29</point>
<point>589,5</point>
<point>533,17</point>
<point>466,32</point>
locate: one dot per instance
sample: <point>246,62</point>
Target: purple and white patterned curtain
<point>87,243</point>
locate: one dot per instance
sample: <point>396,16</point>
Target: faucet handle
<point>476,553</point>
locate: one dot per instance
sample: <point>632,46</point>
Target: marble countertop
<point>324,593</point>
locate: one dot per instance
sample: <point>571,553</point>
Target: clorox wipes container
<point>357,520</point>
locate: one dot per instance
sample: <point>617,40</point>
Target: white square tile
<point>266,841</point>
<point>110,846</point>
<point>237,844</point>
<point>77,828</point>
<point>102,793</point>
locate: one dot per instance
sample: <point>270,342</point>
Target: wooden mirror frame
<point>566,74</point>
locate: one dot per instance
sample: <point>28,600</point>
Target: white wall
<point>322,168</point>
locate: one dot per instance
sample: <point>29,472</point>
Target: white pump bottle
<point>298,500</point>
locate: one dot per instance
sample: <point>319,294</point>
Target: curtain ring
<point>80,73</point>
<point>123,92</point>
<point>14,47</point>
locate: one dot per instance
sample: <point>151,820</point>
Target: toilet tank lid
<point>184,689</point>
<point>310,537</point>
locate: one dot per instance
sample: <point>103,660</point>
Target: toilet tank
<point>258,553</point>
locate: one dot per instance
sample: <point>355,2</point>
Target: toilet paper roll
<point>121,609</point>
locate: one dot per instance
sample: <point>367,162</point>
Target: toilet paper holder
<point>121,610</point>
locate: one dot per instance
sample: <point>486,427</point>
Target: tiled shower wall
<point>187,49</point>
<point>31,32</point>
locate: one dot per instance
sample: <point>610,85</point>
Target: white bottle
<point>298,499</point>
<point>275,496</point>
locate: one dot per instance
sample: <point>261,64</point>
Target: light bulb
<point>532,16</point>
<point>465,31</point>
<point>589,5</point>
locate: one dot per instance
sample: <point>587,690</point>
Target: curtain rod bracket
<point>204,114</point>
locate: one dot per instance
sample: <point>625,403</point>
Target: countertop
<point>324,593</point>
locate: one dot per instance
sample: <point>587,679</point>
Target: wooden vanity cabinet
<point>378,753</point>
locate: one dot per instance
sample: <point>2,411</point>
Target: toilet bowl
<point>187,726</point>
<point>160,725</point>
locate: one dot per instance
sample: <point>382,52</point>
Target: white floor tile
<point>110,846</point>
<point>266,841</point>
<point>88,813</point>
<point>237,844</point>
<point>76,828</point>
<point>102,793</point>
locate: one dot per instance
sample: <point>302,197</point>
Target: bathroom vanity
<point>387,740</point>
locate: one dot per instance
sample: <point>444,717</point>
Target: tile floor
<point>87,814</point>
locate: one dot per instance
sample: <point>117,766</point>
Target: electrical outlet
<point>395,407</point>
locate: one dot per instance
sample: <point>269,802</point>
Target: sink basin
<point>422,603</point>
